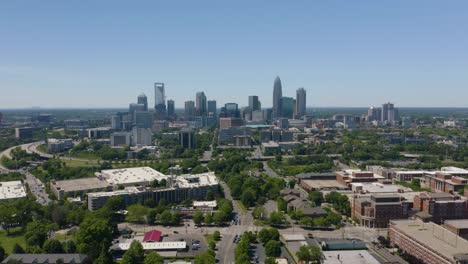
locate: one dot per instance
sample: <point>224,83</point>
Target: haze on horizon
<point>344,53</point>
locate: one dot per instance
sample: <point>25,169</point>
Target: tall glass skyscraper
<point>212,107</point>
<point>254,103</point>
<point>200,104</point>
<point>277,94</point>
<point>142,99</point>
<point>170,108</point>
<point>300,110</point>
<point>189,110</point>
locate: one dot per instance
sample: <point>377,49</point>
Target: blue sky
<point>345,53</point>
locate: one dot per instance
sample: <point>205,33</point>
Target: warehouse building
<point>11,190</point>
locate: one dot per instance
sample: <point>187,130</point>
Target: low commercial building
<point>349,257</point>
<point>347,177</point>
<point>458,227</point>
<point>76,124</point>
<point>270,148</point>
<point>78,187</point>
<point>443,182</point>
<point>428,242</point>
<point>377,210</point>
<point>138,176</point>
<point>377,187</point>
<point>179,188</point>
<point>59,145</point>
<point>121,139</point>
<point>320,181</point>
<point>24,132</point>
<point>407,176</point>
<point>441,206</point>
<point>455,171</point>
<point>11,190</point>
<point>99,132</point>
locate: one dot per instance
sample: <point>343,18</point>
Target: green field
<point>80,163</point>
<point>8,242</point>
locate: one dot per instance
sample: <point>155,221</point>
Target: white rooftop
<point>196,180</point>
<point>349,257</point>
<point>452,169</point>
<point>212,204</point>
<point>172,245</point>
<point>293,237</point>
<point>129,176</point>
<point>376,187</point>
<point>12,190</point>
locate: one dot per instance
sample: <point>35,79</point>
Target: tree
<point>208,219</point>
<point>291,183</point>
<point>281,204</point>
<point>316,197</point>
<point>137,213</point>
<point>273,248</point>
<point>104,257</point>
<point>36,233</point>
<point>309,253</point>
<point>212,245</point>
<point>17,249</point>
<point>114,203</point>
<point>198,217</point>
<point>53,246</point>
<point>165,217</point>
<point>69,246</point>
<point>2,253</point>
<point>259,212</point>
<point>277,218</point>
<point>154,258</point>
<point>267,234</point>
<point>248,197</point>
<point>270,260</point>
<point>94,233</point>
<point>135,254</point>
<point>216,235</point>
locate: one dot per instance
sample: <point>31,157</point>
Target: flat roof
<point>80,184</point>
<point>128,176</point>
<point>376,187</point>
<point>172,245</point>
<point>321,184</point>
<point>196,180</point>
<point>205,203</point>
<point>348,256</point>
<point>453,169</point>
<point>433,236</point>
<point>12,190</point>
<point>294,237</point>
<point>461,223</point>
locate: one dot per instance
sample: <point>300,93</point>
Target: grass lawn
<point>80,163</point>
<point>43,148</point>
<point>8,242</point>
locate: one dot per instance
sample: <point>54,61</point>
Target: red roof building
<point>153,236</point>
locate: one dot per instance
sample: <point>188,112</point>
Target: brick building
<point>377,210</point>
<point>441,206</point>
<point>443,182</point>
<point>347,177</point>
<point>458,227</point>
<point>428,242</point>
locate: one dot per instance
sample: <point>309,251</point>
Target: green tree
<point>53,246</point>
<point>277,218</point>
<point>259,212</point>
<point>153,258</point>
<point>36,233</point>
<point>165,217</point>
<point>208,219</point>
<point>316,197</point>
<point>270,260</point>
<point>273,248</point>
<point>198,217</point>
<point>104,257</point>
<point>135,254</point>
<point>291,183</point>
<point>281,204</point>
<point>309,253</point>
<point>248,197</point>
<point>2,253</point>
<point>267,234</point>
<point>216,235</point>
<point>94,233</point>
<point>69,246</point>
<point>17,249</point>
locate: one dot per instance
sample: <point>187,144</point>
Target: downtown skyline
<point>344,54</point>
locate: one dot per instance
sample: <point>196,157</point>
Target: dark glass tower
<point>277,94</point>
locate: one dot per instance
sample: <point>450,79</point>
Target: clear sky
<point>345,53</point>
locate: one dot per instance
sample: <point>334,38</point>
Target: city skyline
<point>343,54</point>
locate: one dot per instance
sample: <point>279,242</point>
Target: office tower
<point>116,122</point>
<point>300,102</point>
<point>120,139</point>
<point>212,107</point>
<point>1,118</point>
<point>159,100</point>
<point>187,138</point>
<point>230,110</point>
<point>254,103</point>
<point>142,136</point>
<point>170,108</point>
<point>142,99</point>
<point>189,110</point>
<point>134,108</point>
<point>143,119</point>
<point>287,107</point>
<point>388,113</point>
<point>277,94</point>
<point>200,105</point>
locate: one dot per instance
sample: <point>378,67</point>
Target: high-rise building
<point>142,136</point>
<point>230,110</point>
<point>388,113</point>
<point>200,104</point>
<point>300,102</point>
<point>170,108</point>
<point>277,94</point>
<point>287,107</point>
<point>374,114</point>
<point>159,99</point>
<point>187,138</point>
<point>142,99</point>
<point>143,119</point>
<point>189,112</point>
<point>254,103</point>
<point>212,107</point>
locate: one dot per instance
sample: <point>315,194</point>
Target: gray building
<point>23,132</point>
<point>287,107</point>
<point>170,108</point>
<point>200,104</point>
<point>142,136</point>
<point>142,99</point>
<point>300,103</point>
<point>189,111</point>
<point>76,124</point>
<point>212,107</point>
<point>143,119</point>
<point>277,94</point>
<point>120,139</point>
<point>187,138</point>
<point>254,103</point>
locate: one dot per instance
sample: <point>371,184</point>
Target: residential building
<point>428,242</point>
<point>377,210</point>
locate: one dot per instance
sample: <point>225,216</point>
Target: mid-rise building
<point>187,138</point>
<point>121,139</point>
<point>142,137</point>
<point>228,136</point>
<point>59,145</point>
<point>12,190</point>
<point>377,210</point>
<point>254,103</point>
<point>349,176</point>
<point>428,242</point>
<point>24,132</point>
<point>439,207</point>
<point>230,110</point>
<point>99,132</point>
<point>443,182</point>
<point>142,99</point>
<point>76,124</point>
<point>143,119</point>
<point>228,122</point>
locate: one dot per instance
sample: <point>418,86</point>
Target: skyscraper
<point>287,107</point>
<point>277,94</point>
<point>300,102</point>
<point>170,108</point>
<point>212,107</point>
<point>388,113</point>
<point>159,99</point>
<point>189,110</point>
<point>200,105</point>
<point>142,99</point>
<point>254,103</point>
